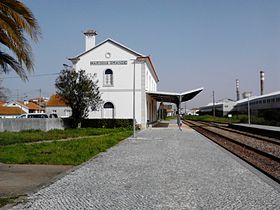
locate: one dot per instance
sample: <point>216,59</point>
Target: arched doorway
<point>108,110</point>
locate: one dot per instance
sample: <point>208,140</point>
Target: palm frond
<point>7,63</point>
<point>17,21</point>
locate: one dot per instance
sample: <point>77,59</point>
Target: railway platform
<point>162,168</point>
<point>270,131</point>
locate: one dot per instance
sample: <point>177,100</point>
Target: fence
<point>45,124</point>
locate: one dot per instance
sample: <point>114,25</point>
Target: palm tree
<point>17,23</point>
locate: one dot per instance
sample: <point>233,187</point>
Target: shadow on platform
<point>162,124</point>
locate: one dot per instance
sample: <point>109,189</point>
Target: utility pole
<point>214,113</point>
<point>249,114</point>
<point>40,93</point>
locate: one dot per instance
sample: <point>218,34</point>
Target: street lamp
<point>214,112</point>
<point>134,98</point>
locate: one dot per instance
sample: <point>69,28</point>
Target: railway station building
<point>121,73</point>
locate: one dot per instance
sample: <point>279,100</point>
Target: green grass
<point>170,118</point>
<point>209,118</point>
<point>72,152</point>
<point>8,138</point>
<point>5,200</point>
<point>235,119</point>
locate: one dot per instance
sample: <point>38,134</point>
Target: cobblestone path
<point>163,169</point>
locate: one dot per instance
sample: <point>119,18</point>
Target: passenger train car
<point>266,106</point>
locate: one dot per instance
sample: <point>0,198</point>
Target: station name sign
<point>108,62</point>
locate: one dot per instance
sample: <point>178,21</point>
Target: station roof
<point>174,97</point>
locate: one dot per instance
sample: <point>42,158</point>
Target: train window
<point>268,101</point>
<point>257,102</point>
<point>264,101</point>
<point>260,102</point>
<point>272,100</point>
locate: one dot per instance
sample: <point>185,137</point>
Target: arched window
<point>108,77</point>
<point>108,105</point>
<point>108,110</point>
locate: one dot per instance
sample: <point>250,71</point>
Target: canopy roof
<point>174,97</point>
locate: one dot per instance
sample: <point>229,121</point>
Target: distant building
<point>26,106</point>
<point>222,107</point>
<point>170,110</point>
<point>193,111</point>
<point>40,101</point>
<point>56,105</point>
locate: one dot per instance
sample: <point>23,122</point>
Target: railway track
<point>261,152</point>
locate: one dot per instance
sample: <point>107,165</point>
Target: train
<point>266,106</point>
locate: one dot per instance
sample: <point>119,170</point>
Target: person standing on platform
<point>179,121</point>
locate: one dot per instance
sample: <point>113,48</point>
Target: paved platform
<point>164,168</point>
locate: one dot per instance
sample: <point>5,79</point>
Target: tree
<point>17,23</point>
<point>3,92</point>
<point>80,92</point>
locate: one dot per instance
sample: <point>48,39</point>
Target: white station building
<point>113,65</point>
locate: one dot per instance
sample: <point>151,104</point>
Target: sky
<point>193,43</point>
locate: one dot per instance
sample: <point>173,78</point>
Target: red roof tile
<point>56,100</point>
<point>11,110</point>
<point>30,105</point>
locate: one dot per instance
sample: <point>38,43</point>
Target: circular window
<point>107,55</point>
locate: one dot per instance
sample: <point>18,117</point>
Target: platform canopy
<point>174,97</point>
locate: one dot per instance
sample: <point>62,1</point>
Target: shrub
<point>107,123</point>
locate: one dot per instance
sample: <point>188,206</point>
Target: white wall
<point>18,124</point>
<point>61,111</point>
<point>121,93</point>
<point>14,104</point>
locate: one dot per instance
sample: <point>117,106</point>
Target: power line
<point>38,75</point>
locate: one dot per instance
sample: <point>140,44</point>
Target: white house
<point>121,72</point>
<point>56,105</point>
<point>114,65</point>
<point>26,106</point>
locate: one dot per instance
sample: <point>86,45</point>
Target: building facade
<point>120,72</point>
<point>56,106</point>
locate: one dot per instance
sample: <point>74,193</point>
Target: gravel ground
<point>268,147</point>
<point>164,168</point>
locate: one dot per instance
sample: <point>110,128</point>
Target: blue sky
<point>193,43</point>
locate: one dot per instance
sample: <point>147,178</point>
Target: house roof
<point>56,100</point>
<point>111,41</point>
<point>147,58</point>
<point>30,105</point>
<point>2,103</point>
<point>11,111</point>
